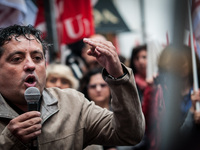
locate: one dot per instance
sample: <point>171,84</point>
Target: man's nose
<point>29,65</point>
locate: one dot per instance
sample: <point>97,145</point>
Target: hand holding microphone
<point>27,126</point>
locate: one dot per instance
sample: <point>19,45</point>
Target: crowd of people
<point>109,116</point>
<point>174,64</point>
<point>175,74</point>
<point>62,117</point>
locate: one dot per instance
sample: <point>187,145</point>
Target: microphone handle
<point>34,144</point>
<point>33,106</point>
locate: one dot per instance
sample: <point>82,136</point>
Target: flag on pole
<point>194,26</point>
<point>74,20</point>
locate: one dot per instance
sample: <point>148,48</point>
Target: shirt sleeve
<point>125,125</point>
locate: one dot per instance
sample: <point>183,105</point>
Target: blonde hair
<point>63,71</point>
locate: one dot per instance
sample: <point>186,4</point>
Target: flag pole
<point>194,65</point>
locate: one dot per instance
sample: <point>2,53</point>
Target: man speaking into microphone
<point>64,119</point>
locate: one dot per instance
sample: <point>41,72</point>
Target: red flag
<point>74,20</point>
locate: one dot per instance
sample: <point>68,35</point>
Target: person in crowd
<point>175,62</point>
<point>178,60</point>
<point>93,86</point>
<point>191,126</point>
<point>65,119</point>
<point>138,63</point>
<point>60,76</point>
<point>90,62</point>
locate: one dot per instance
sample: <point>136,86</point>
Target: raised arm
<point>126,125</point>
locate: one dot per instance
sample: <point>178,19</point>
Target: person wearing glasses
<point>95,88</point>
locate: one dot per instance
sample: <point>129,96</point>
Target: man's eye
<point>37,58</point>
<point>16,59</point>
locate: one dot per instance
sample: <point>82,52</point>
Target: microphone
<point>32,96</point>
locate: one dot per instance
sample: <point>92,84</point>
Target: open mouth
<point>30,80</point>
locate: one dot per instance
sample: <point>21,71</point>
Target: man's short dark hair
<point>15,31</point>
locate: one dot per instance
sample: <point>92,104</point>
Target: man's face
<point>22,65</point>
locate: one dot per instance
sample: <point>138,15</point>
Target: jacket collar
<point>5,110</point>
<point>49,106</point>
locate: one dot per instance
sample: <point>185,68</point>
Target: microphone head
<point>32,95</point>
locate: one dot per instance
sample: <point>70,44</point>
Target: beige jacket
<point>71,122</point>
